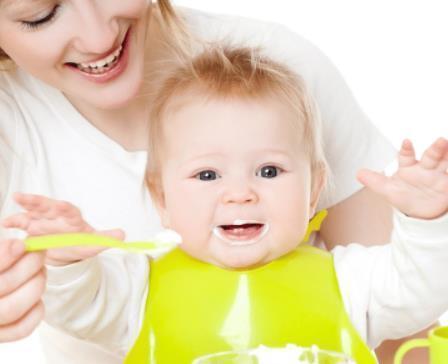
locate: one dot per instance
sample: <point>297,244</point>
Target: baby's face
<point>236,181</point>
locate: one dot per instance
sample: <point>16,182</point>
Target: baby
<point>236,167</point>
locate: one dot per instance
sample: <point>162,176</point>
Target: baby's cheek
<point>193,248</point>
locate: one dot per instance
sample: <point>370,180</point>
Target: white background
<point>392,53</point>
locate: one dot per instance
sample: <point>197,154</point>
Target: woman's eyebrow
<point>8,3</point>
<point>19,3</point>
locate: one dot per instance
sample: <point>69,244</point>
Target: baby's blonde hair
<point>229,72</point>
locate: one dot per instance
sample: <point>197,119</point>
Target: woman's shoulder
<point>241,30</point>
<point>14,82</point>
<point>30,100</point>
<point>8,103</point>
<point>18,89</point>
<point>201,20</point>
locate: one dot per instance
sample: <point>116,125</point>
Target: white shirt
<point>389,291</point>
<point>52,150</point>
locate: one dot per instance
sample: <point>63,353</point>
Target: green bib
<point>194,308</point>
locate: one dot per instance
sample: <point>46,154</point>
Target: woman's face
<point>92,50</point>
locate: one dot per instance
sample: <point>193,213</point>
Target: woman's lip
<point>117,70</point>
<point>218,231</point>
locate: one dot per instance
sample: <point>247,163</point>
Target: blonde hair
<point>226,72</point>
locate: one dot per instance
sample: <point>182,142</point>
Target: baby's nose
<point>240,193</point>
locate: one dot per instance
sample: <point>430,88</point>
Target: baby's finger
<point>443,166</point>
<point>434,155</point>
<point>19,221</point>
<point>377,182</point>
<point>11,251</point>
<point>406,155</point>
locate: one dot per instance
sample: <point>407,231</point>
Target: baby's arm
<point>93,298</point>
<point>397,289</point>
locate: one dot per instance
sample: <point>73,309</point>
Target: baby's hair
<point>221,72</point>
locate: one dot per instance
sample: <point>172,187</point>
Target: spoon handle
<point>44,242</point>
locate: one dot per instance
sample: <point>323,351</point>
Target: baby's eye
<point>207,175</point>
<point>268,172</point>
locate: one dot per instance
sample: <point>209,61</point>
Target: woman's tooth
<point>109,59</point>
<point>98,67</point>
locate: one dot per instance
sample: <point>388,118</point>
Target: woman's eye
<point>35,24</point>
<point>207,175</point>
<point>268,172</point>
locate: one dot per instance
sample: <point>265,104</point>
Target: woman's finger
<point>18,221</point>
<point>20,272</point>
<point>24,326</point>
<point>65,256</point>
<point>11,250</point>
<point>37,206</point>
<point>19,302</point>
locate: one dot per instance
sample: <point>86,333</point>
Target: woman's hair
<point>3,55</point>
<point>221,72</point>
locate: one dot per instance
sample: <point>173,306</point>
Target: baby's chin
<point>242,261</point>
<point>236,257</point>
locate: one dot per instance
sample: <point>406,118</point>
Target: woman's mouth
<point>103,65</point>
<point>107,68</point>
<point>241,232</point>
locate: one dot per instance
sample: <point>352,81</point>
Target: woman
<point>73,126</point>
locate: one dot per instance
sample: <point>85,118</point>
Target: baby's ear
<point>158,198</point>
<point>319,179</point>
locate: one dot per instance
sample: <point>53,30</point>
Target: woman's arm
<point>366,218</point>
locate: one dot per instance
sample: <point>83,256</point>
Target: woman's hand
<point>22,284</point>
<point>45,216</point>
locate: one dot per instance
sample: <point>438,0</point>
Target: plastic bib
<point>194,308</point>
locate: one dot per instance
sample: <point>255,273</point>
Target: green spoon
<point>45,242</point>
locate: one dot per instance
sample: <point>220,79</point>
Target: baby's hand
<point>45,216</point>
<point>418,189</point>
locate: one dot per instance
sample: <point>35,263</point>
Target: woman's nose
<point>95,33</point>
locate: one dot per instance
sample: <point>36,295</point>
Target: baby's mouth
<point>241,232</point>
